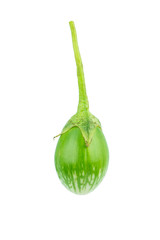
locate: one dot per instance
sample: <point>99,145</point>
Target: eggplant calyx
<point>86,122</point>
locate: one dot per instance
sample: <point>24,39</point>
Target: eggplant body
<point>81,168</point>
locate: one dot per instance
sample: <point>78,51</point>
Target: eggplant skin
<point>81,168</point>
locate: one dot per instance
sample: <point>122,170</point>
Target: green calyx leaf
<point>86,122</point>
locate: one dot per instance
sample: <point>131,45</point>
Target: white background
<point>120,47</point>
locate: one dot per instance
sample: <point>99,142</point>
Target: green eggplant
<point>82,155</point>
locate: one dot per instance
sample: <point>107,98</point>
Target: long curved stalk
<point>83,99</point>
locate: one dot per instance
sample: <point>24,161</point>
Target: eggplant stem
<point>83,99</point>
